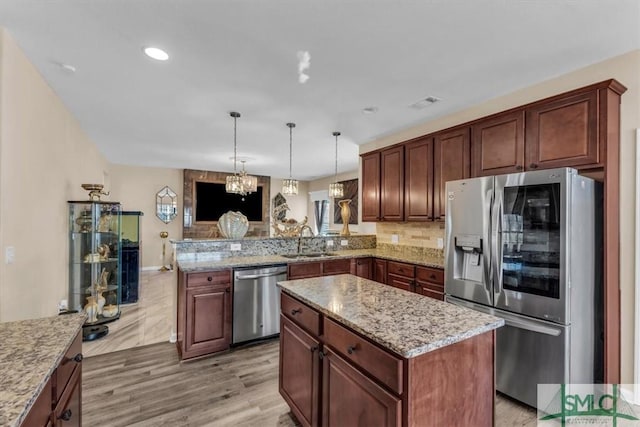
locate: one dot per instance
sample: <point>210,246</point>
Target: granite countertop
<point>206,262</point>
<point>402,322</point>
<point>30,352</point>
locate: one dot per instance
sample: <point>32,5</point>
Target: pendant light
<point>239,183</point>
<point>336,189</point>
<point>290,186</point>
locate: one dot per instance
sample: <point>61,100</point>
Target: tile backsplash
<point>419,234</point>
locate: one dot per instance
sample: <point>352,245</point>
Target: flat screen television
<point>212,200</point>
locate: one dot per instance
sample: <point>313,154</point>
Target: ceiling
<point>241,55</point>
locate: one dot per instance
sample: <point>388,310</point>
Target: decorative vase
<point>101,302</point>
<point>91,309</point>
<point>345,214</point>
<point>110,310</point>
<point>233,225</point>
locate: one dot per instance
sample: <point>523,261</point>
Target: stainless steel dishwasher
<point>256,302</point>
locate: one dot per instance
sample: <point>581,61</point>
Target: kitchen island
<point>40,371</point>
<point>356,352</point>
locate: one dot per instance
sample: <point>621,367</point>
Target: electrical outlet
<point>344,242</point>
<point>9,255</point>
<point>395,239</point>
<point>329,243</point>
<point>440,243</point>
<point>236,246</point>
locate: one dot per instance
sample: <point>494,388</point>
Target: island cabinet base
<point>331,376</point>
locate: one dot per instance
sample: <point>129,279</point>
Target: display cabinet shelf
<point>95,261</point>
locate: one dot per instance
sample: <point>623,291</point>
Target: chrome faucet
<point>300,235</point>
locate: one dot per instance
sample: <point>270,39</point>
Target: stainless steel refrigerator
<point>527,247</point>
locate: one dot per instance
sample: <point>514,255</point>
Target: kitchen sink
<point>308,255</point>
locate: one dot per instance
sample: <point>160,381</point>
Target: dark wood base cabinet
<point>60,401</point>
<point>204,313</point>
<point>332,376</point>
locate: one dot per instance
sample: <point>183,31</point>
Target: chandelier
<point>336,189</point>
<point>239,183</point>
<point>290,186</point>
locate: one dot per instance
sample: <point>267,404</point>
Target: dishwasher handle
<point>258,276</point>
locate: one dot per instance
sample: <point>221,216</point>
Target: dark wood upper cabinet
<point>563,133</point>
<point>451,161</point>
<point>392,184</point>
<point>371,187</point>
<point>498,145</point>
<point>418,180</point>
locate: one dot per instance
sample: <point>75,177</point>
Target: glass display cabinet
<point>95,263</point>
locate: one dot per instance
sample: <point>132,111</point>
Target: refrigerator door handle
<point>532,326</point>
<point>496,230</point>
<point>488,251</point>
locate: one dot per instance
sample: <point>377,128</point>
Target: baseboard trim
<point>152,268</point>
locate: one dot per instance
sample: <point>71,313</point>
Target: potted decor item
<point>91,309</point>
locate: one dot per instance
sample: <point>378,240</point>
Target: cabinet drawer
<point>300,313</point>
<point>431,293</point>
<point>70,361</point>
<point>209,278</point>
<point>432,275</point>
<point>401,269</point>
<point>304,269</point>
<point>400,282</point>
<point>40,412</point>
<point>68,412</point>
<point>379,363</point>
<point>336,266</point>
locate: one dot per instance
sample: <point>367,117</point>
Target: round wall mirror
<point>166,205</point>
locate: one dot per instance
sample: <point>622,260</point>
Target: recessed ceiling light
<point>369,110</point>
<point>424,102</point>
<point>156,53</point>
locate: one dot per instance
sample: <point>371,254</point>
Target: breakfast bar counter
<point>371,354</point>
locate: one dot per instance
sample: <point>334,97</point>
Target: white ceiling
<point>241,55</point>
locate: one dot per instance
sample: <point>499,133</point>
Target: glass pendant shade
<point>249,183</point>
<point>239,183</point>
<point>336,189</point>
<point>234,184</point>
<point>290,187</point>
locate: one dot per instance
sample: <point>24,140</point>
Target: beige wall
<point>323,184</point>
<point>624,68</point>
<point>136,187</point>
<point>44,157</point>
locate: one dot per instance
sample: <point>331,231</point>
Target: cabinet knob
<point>314,348</point>
<point>227,290</point>
<point>432,276</point>
<point>321,354</point>
<point>519,167</point>
<point>78,358</point>
<point>533,166</point>
<point>351,349</point>
<point>66,415</point>
<point>296,311</point>
<point>209,279</point>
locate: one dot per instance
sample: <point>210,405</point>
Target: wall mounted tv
<point>212,200</point>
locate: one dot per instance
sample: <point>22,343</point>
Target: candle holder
<point>163,236</point>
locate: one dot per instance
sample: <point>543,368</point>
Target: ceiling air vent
<point>423,103</point>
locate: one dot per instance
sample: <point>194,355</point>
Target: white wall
<point>44,157</point>
<point>625,69</point>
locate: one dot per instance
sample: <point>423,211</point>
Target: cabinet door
<point>380,271</point>
<point>563,133</point>
<point>418,180</point>
<point>400,282</point>
<point>451,162</point>
<point>432,290</point>
<point>336,266</point>
<point>363,267</point>
<point>299,379</point>
<point>349,398</point>
<point>303,270</point>
<point>371,187</point>
<point>40,412</point>
<point>498,145</point>
<point>392,178</point>
<point>208,320</point>
<point>68,411</point>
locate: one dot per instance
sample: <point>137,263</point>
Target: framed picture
<point>350,192</point>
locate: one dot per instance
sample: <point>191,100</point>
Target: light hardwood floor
<point>149,386</point>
